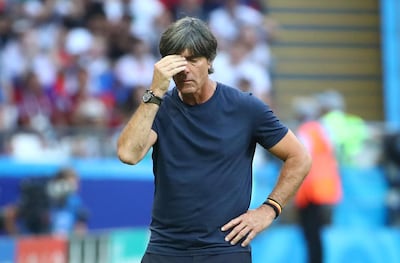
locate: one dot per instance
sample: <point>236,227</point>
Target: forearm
<point>134,138</point>
<point>296,165</point>
<point>292,174</point>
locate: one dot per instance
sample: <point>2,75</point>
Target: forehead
<point>188,54</point>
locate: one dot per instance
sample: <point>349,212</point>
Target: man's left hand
<point>248,225</point>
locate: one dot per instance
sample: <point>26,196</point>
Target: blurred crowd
<point>70,69</point>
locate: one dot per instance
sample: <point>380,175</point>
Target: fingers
<point>171,65</point>
<point>250,236</point>
<point>165,69</point>
<point>231,223</point>
<point>246,227</point>
<point>240,229</point>
<point>237,234</point>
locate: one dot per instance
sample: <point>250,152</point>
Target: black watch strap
<point>155,99</point>
<point>149,97</point>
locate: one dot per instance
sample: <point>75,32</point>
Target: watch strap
<point>153,98</point>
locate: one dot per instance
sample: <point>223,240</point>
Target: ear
<point>210,66</point>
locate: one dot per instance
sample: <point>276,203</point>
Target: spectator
<point>193,8</point>
<point>242,69</point>
<point>8,110</point>
<point>391,157</point>
<point>134,70</point>
<point>322,188</point>
<point>146,14</point>
<point>226,20</point>
<point>36,109</point>
<point>14,52</point>
<point>255,40</point>
<point>88,110</point>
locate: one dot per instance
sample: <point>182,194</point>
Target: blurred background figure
<point>322,188</point>
<point>391,149</point>
<point>226,20</point>
<point>47,206</point>
<point>134,72</point>
<point>242,69</point>
<point>193,8</point>
<point>67,212</point>
<point>348,132</point>
<point>36,109</point>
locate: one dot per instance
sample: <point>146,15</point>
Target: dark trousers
<point>243,257</point>
<point>312,219</point>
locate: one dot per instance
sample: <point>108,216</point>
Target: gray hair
<point>190,34</point>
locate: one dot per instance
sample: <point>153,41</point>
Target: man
<point>203,136</point>
<point>322,188</point>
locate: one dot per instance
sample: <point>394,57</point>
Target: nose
<point>183,72</point>
<point>186,70</point>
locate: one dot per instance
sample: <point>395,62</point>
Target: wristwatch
<point>149,97</point>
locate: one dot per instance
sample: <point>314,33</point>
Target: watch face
<point>146,96</point>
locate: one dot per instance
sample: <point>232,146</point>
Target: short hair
<point>191,34</point>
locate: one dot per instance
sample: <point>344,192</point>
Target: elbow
<point>307,161</point>
<point>125,160</point>
<point>127,157</point>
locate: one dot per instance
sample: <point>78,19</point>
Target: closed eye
<point>192,59</point>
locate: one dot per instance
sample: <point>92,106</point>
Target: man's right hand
<point>164,70</point>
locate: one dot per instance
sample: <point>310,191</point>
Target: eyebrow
<point>191,57</point>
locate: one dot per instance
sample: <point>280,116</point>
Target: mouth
<point>186,82</point>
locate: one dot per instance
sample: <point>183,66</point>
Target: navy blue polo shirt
<point>202,163</point>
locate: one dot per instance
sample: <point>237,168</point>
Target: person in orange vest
<point>322,187</point>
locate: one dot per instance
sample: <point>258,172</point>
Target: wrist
<point>150,97</point>
<point>274,205</point>
<point>269,212</point>
<point>157,92</point>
